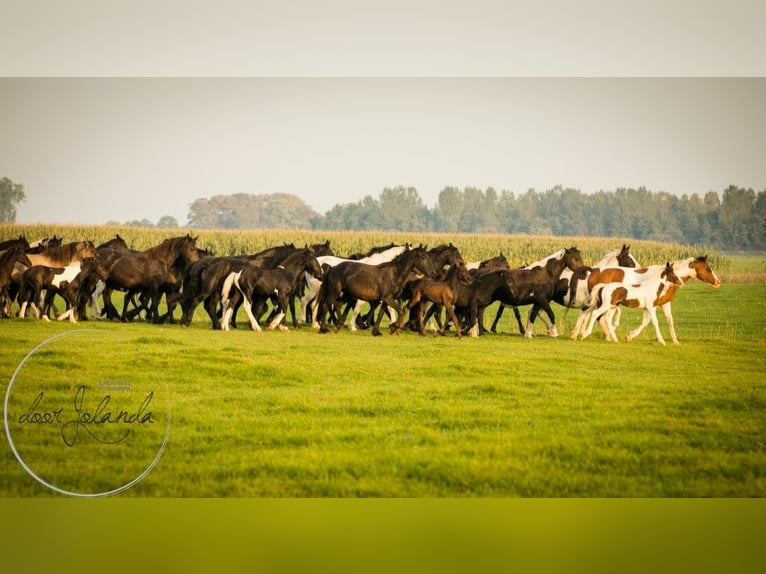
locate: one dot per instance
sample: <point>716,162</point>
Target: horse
<point>37,278</point>
<point>539,282</point>
<point>439,292</point>
<point>445,255</point>
<point>20,241</point>
<point>204,280</point>
<point>651,288</point>
<point>495,284</point>
<point>570,290</point>
<point>684,269</point>
<point>372,283</point>
<point>13,260</point>
<point>313,285</point>
<point>63,255</point>
<point>146,272</point>
<point>257,285</point>
<point>475,269</point>
<point>65,281</point>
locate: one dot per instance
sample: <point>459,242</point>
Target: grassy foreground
<point>302,414</point>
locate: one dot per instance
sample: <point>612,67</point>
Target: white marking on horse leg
<point>653,316</point>
<point>581,319</point>
<point>253,322</point>
<point>315,316</point>
<point>616,317</point>
<point>23,309</point>
<point>637,331</point>
<point>671,324</point>
<point>474,331</point>
<point>354,314</point>
<point>226,316</point>
<point>276,321</point>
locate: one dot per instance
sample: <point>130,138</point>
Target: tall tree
<point>243,210</point>
<point>11,194</point>
<point>402,209</point>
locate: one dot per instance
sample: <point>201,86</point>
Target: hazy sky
<point>93,150</point>
<point>120,111</point>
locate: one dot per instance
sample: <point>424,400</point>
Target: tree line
<point>733,220</point>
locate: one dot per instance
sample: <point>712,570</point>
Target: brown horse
<point>146,272</point>
<point>372,283</point>
<point>443,293</point>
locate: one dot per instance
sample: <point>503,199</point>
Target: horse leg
<point>671,325</point>
<point>499,314</point>
<point>650,315</point>
<point>549,319</point>
<point>281,308</point>
<point>391,303</point>
<point>451,312</point>
<point>355,313</point>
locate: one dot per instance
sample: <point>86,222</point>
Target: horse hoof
<point>376,332</point>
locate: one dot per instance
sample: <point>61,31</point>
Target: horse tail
<point>231,280</point>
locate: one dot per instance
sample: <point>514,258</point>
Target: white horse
<point>645,289</point>
<point>684,269</point>
<point>313,284</point>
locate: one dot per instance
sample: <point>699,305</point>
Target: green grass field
<point>300,414</point>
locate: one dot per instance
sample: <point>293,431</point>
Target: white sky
<point>91,150</point>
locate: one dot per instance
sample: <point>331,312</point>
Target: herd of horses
<point>410,284</point>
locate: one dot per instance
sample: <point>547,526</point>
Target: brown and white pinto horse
<point>684,269</point>
<point>651,288</point>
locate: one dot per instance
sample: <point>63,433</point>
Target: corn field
<point>518,249</point>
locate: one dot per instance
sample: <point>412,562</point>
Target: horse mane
<point>63,254</point>
<point>167,247</point>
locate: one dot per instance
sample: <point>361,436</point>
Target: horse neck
<point>555,267</point>
<point>296,266</point>
<point>167,252</point>
<point>684,271</point>
<point>8,261</point>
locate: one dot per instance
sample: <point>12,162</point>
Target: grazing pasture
<point>346,414</point>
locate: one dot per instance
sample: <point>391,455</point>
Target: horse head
<point>187,248</point>
<point>497,262</point>
<point>312,266</point>
<point>573,258</point>
<point>704,272</point>
<point>670,275</point>
<point>624,258</point>
<point>86,249</point>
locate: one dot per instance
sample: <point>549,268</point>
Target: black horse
<point>146,273</point>
<point>535,286</point>
<point>13,260</point>
<point>349,281</point>
<point>204,280</point>
<point>253,287</point>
